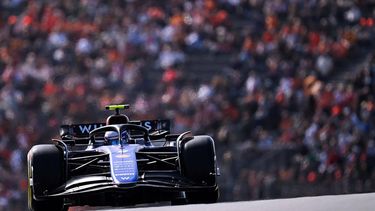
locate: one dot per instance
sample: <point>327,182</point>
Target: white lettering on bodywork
<point>148,125</point>
<point>85,128</point>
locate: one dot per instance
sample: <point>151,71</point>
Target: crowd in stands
<point>292,107</point>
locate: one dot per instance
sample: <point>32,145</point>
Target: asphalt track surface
<point>350,202</point>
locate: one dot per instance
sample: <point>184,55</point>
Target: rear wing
<point>83,130</point>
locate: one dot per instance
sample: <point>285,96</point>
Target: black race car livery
<point>121,162</point>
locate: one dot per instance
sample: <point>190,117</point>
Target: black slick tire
<point>45,165</point>
<point>198,163</point>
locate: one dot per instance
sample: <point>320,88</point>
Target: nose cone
<point>123,162</point>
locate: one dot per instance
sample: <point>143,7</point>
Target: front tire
<point>45,173</point>
<point>198,163</point>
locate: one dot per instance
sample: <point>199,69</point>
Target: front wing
<point>94,184</point>
<point>103,191</point>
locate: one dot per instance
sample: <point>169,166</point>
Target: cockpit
<point>120,134</point>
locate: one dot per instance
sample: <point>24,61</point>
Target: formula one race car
<point>121,162</point>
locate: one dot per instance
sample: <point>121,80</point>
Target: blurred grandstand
<point>286,87</point>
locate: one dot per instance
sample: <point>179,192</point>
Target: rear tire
<point>46,170</point>
<point>198,163</point>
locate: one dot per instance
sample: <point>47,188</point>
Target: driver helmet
<point>111,138</point>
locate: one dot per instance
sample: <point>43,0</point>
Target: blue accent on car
<point>123,162</point>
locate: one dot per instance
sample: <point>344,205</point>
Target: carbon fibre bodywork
<point>125,174</point>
